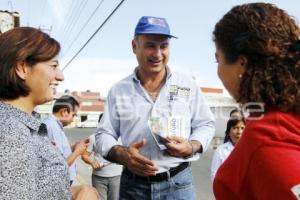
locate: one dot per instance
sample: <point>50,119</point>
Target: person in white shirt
<point>106,175</point>
<point>234,130</point>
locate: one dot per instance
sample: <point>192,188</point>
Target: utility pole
<point>8,20</point>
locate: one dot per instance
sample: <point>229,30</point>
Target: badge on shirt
<point>179,92</point>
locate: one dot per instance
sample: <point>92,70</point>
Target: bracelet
<point>193,150</point>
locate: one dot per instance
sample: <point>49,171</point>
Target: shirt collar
<point>135,78</point>
<point>57,120</point>
<point>29,120</point>
<point>229,145</point>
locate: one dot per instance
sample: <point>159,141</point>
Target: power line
<point>75,19</point>
<point>93,35</point>
<point>76,9</point>
<point>83,27</point>
<point>69,15</point>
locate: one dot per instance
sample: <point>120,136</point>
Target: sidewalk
<point>84,173</point>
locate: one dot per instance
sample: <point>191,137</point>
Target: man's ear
<point>133,43</point>
<point>22,70</point>
<point>63,112</point>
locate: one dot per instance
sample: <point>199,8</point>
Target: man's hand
<point>87,141</point>
<point>137,163</point>
<point>96,165</point>
<point>178,146</point>
<point>133,160</point>
<point>80,147</point>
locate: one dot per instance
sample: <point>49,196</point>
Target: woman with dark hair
<point>233,133</point>
<point>30,166</point>
<point>258,55</point>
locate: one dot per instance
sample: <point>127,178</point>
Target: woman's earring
<point>240,75</point>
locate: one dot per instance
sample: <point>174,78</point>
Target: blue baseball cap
<point>153,25</point>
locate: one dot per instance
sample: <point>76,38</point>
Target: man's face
<point>152,52</point>
<point>68,117</point>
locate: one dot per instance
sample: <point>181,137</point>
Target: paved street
<point>201,168</point>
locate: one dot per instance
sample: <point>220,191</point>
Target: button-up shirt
<point>129,107</point>
<point>30,167</point>
<point>58,137</point>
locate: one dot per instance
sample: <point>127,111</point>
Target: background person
<point>64,110</point>
<point>106,175</point>
<point>30,168</point>
<point>258,54</point>
<point>154,91</point>
<point>236,113</point>
<point>233,133</point>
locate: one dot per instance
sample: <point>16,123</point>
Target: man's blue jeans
<point>178,187</point>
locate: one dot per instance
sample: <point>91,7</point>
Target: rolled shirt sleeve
<point>107,133</point>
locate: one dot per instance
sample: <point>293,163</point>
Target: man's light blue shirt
<point>128,108</point>
<point>58,137</point>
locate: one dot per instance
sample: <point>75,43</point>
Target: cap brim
<point>148,33</point>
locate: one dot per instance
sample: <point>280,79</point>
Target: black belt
<point>161,176</point>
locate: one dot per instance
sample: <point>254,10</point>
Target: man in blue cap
<point>161,118</point>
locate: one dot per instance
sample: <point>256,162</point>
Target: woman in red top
<point>258,55</point>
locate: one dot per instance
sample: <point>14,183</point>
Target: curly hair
<point>268,37</point>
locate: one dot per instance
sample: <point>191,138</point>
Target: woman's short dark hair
<point>231,123</point>
<point>269,38</point>
<point>22,44</point>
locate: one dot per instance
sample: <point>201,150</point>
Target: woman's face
<point>230,74</point>
<point>236,131</point>
<point>42,79</point>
